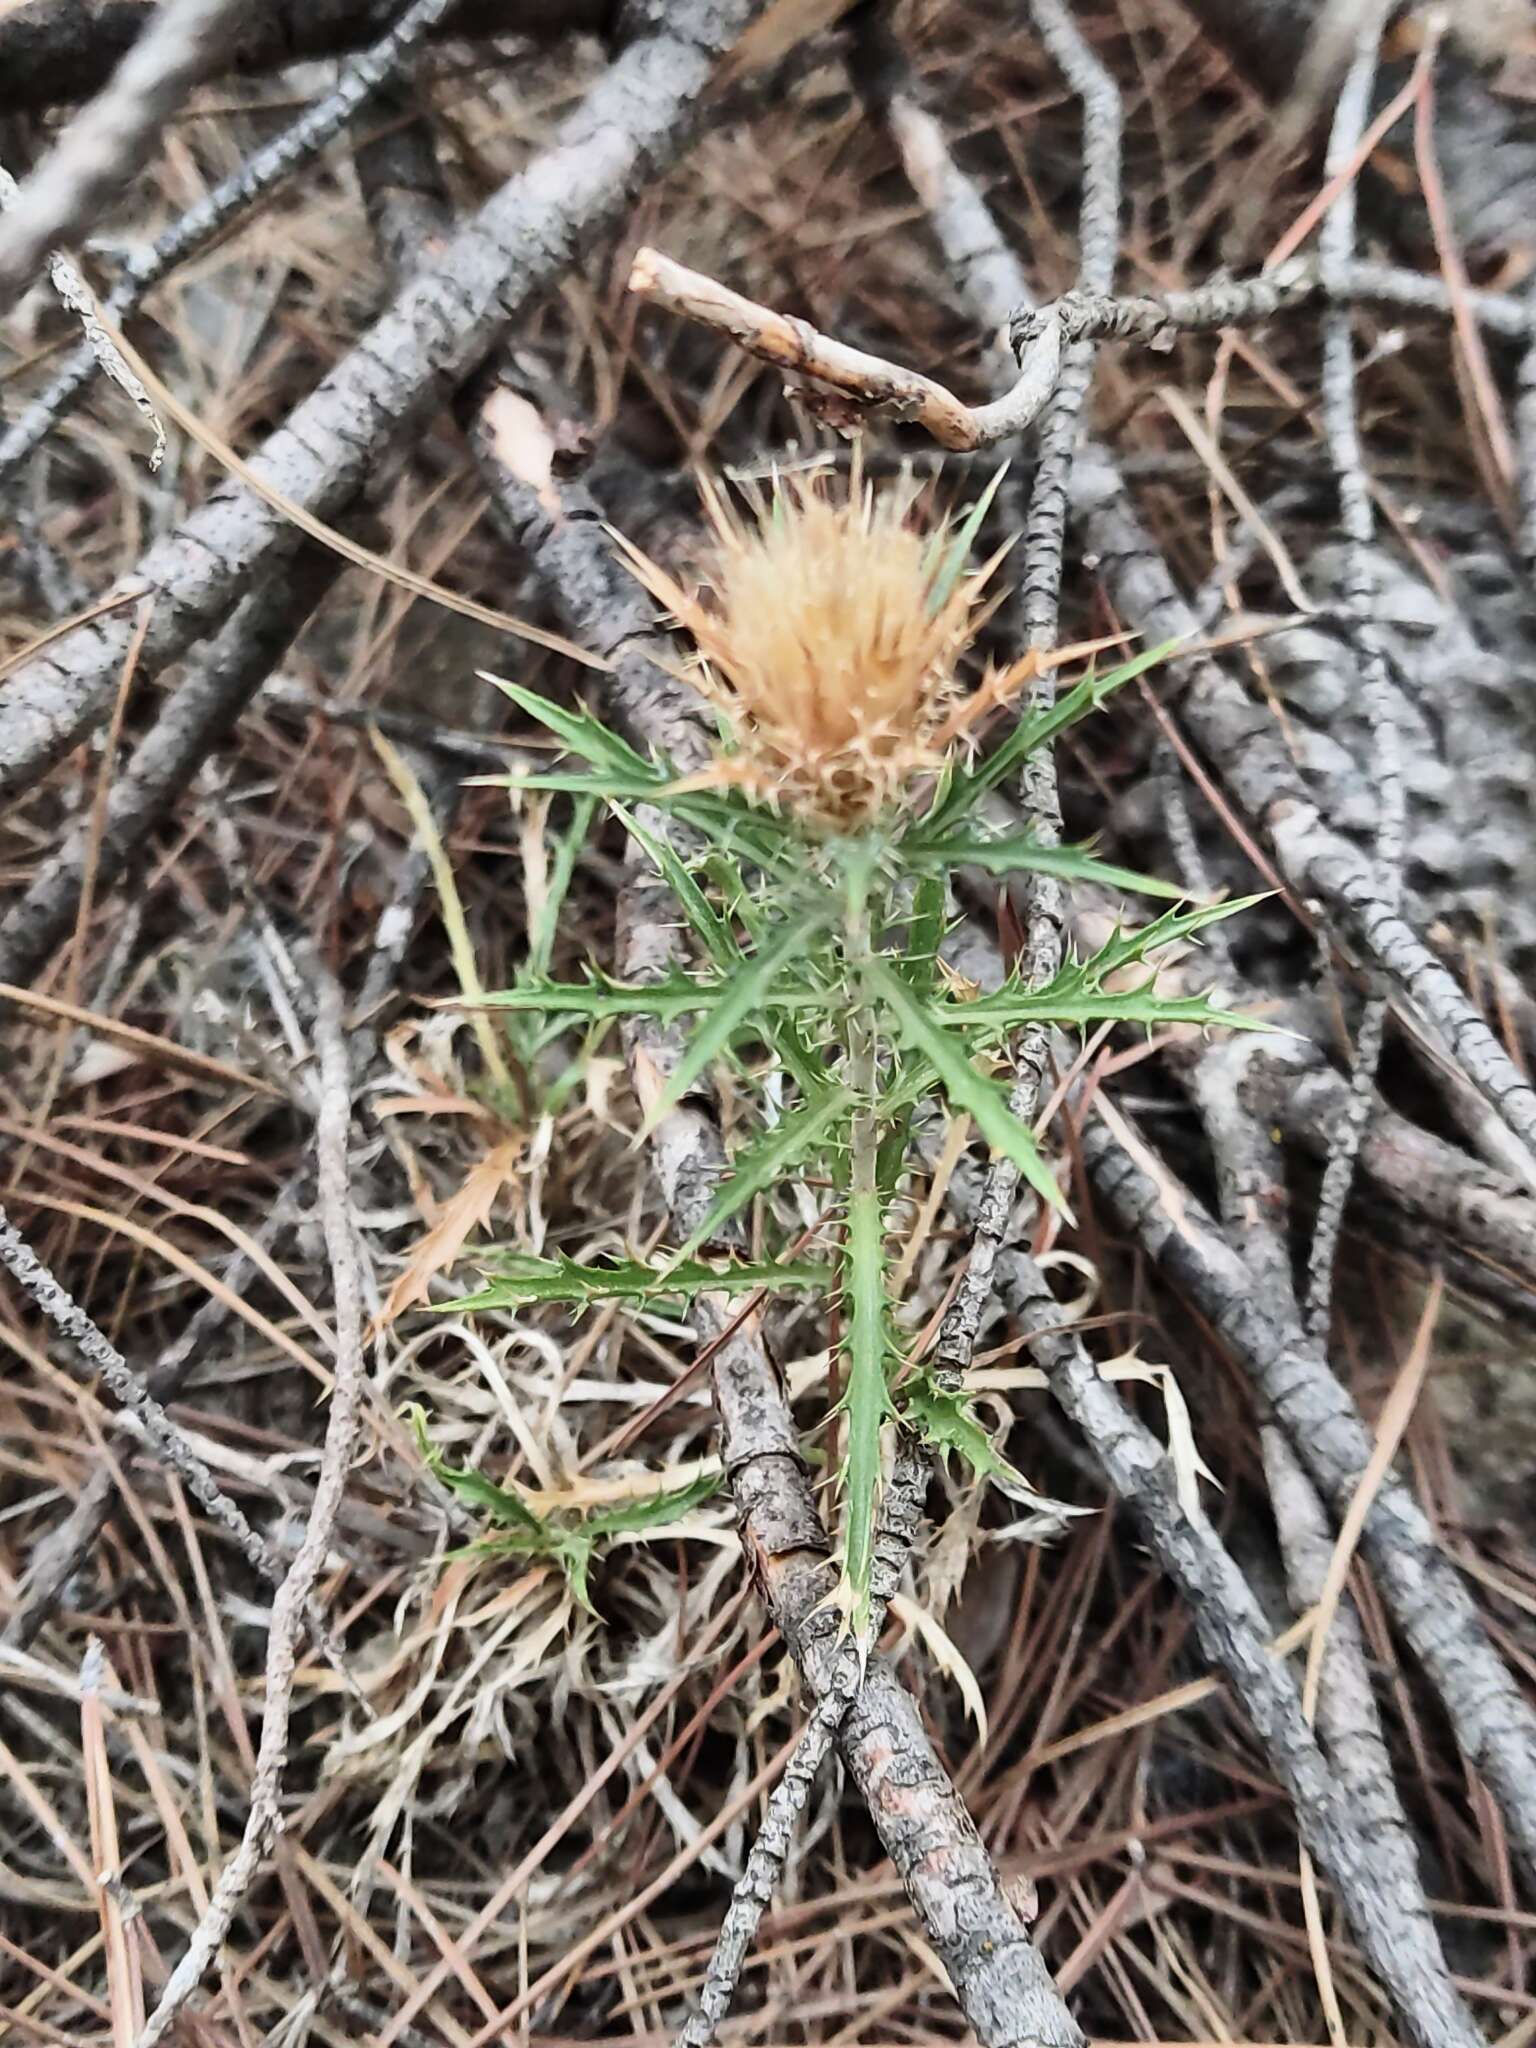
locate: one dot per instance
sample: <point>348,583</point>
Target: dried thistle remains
<point>831,641</point>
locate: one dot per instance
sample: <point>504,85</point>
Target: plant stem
<point>865,1304</point>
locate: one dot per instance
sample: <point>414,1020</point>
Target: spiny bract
<point>830,643</point>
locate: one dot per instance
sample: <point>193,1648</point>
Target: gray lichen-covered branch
<point>108,141</point>
<point>276,160</point>
<point>1425,1595</point>
<point>1238,736</point>
<point>634,121</point>
<point>62,50</point>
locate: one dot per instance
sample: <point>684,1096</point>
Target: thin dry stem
<point>864,382</point>
<point>293,1595</point>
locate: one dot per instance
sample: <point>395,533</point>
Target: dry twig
<point>295,1593</point>
<point>1254,1207</point>
<point>108,141</point>
<point>1343,434</point>
<point>233,196</point>
<point>636,118</point>
<point>60,50</point>
<point>1494,1725</point>
<point>1398,1942</point>
<point>867,383</point>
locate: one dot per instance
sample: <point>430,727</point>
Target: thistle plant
<point>811,860</point>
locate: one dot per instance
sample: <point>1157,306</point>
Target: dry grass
<point>525,1827</point>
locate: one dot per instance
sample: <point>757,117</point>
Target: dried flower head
<point>830,641</point>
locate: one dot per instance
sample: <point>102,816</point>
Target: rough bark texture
<point>1485,1212</point>
<point>1428,1602</point>
<point>632,123</point>
<point>106,143</point>
<point>1239,736</point>
<point>52,50</point>
<point>901,1514</point>
<point>199,712</point>
<point>1232,1634</point>
<point>276,160</point>
<point>1485,136</point>
<point>1255,1214</point>
<point>1244,743</point>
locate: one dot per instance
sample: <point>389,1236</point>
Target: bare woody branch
<point>867,383</point>
<point>1342,428</point>
<point>1239,737</point>
<point>108,141</point>
<point>1399,1943</point>
<point>62,50</point>
<point>98,351</point>
<point>1254,1208</point>
<point>1157,319</point>
<point>632,123</point>
<point>200,224</point>
<point>129,1387</point>
<point>1293,1090</point>
<point>1493,1723</point>
<point>901,1509</point>
<point>1415,1969</point>
<point>196,715</point>
<point>1495,1727</point>
<point>295,1593</point>
<point>1044,542</point>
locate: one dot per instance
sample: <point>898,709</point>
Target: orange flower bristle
<point>831,642</point>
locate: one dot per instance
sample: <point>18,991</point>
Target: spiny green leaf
<point>963,789</point>
<point>580,732</point>
<point>794,1051</point>
<point>516,1280</point>
<point>957,549</point>
<point>568,1549</point>
<point>925,932</point>
<point>708,925</point>
<point>950,1059</point>
<point>471,1487</point>
<point>946,1418</point>
<point>652,1512</point>
<point>735,1003</point>
<point>866,1400</point>
<point>787,1144</point>
<point>1129,947</point>
<point>570,782</point>
<point>1010,1007</point>
<point>575,1560</point>
<point>673,995</point>
<point>727,820</point>
<point>568,1540</point>
<point>715,933</point>
<point>1015,851</point>
<point>729,883</point>
<point>891,1159</point>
